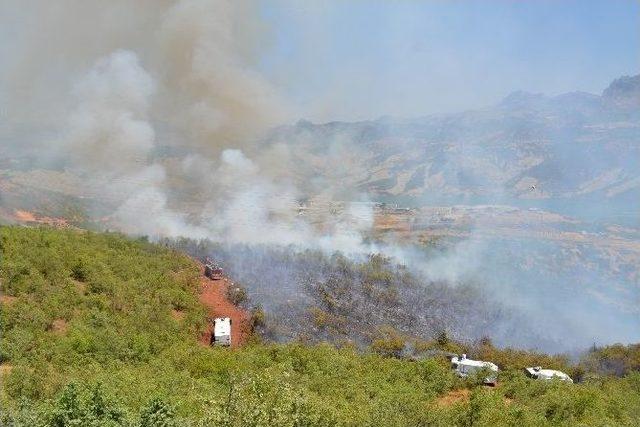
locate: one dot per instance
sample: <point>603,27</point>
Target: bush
<point>389,342</point>
<point>121,346</point>
<point>86,408</point>
<point>237,295</point>
<point>158,413</point>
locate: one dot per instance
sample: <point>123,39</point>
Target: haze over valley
<point>183,120</point>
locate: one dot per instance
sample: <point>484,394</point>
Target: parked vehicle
<point>212,270</point>
<point>465,367</point>
<point>538,373</point>
<point>221,331</point>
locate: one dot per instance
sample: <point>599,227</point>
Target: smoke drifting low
<point>112,87</point>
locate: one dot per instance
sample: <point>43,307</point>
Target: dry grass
<point>454,396</point>
<point>59,326</point>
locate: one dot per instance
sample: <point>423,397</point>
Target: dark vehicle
<point>212,270</point>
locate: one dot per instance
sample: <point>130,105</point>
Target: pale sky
<point>357,59</point>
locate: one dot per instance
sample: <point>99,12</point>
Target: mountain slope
<point>90,337</point>
<point>575,146</point>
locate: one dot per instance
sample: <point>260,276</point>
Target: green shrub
<point>158,413</point>
<point>120,347</point>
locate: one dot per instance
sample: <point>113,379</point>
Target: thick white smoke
<point>138,78</point>
<point>109,130</point>
<point>111,142</point>
<point>158,107</point>
<point>205,50</point>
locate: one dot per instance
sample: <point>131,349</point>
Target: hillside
<point>102,330</point>
<point>550,150</point>
<point>533,199</point>
<point>447,280</point>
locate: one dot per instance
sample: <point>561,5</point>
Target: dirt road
<point>213,295</point>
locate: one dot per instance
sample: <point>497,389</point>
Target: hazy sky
<point>362,59</point>
<point>343,59</point>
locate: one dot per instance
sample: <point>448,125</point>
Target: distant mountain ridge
<point>624,92</point>
<point>528,147</point>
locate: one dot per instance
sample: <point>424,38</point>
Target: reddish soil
<point>462,395</point>
<point>7,299</point>
<point>5,370</point>
<point>59,326</point>
<point>22,216</point>
<point>213,294</point>
<point>454,396</point>
<point>80,286</point>
<point>177,315</point>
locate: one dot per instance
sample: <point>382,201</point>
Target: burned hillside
<point>310,296</point>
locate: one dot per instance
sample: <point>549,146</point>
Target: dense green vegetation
<point>101,330</point>
<point>614,359</point>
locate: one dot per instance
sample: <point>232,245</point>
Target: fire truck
<point>212,269</point>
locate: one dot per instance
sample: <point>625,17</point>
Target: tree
<point>442,338</point>
<point>157,413</point>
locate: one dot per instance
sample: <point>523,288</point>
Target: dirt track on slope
<point>213,295</point>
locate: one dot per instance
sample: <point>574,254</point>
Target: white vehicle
<point>221,331</point>
<point>465,367</point>
<point>546,374</point>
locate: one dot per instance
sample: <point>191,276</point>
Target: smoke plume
<point>159,108</point>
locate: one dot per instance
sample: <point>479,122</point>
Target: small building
<point>465,367</point>
<point>221,331</point>
<point>537,373</point>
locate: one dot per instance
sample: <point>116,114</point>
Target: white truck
<point>221,331</point>
<point>465,367</point>
<point>538,373</point>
